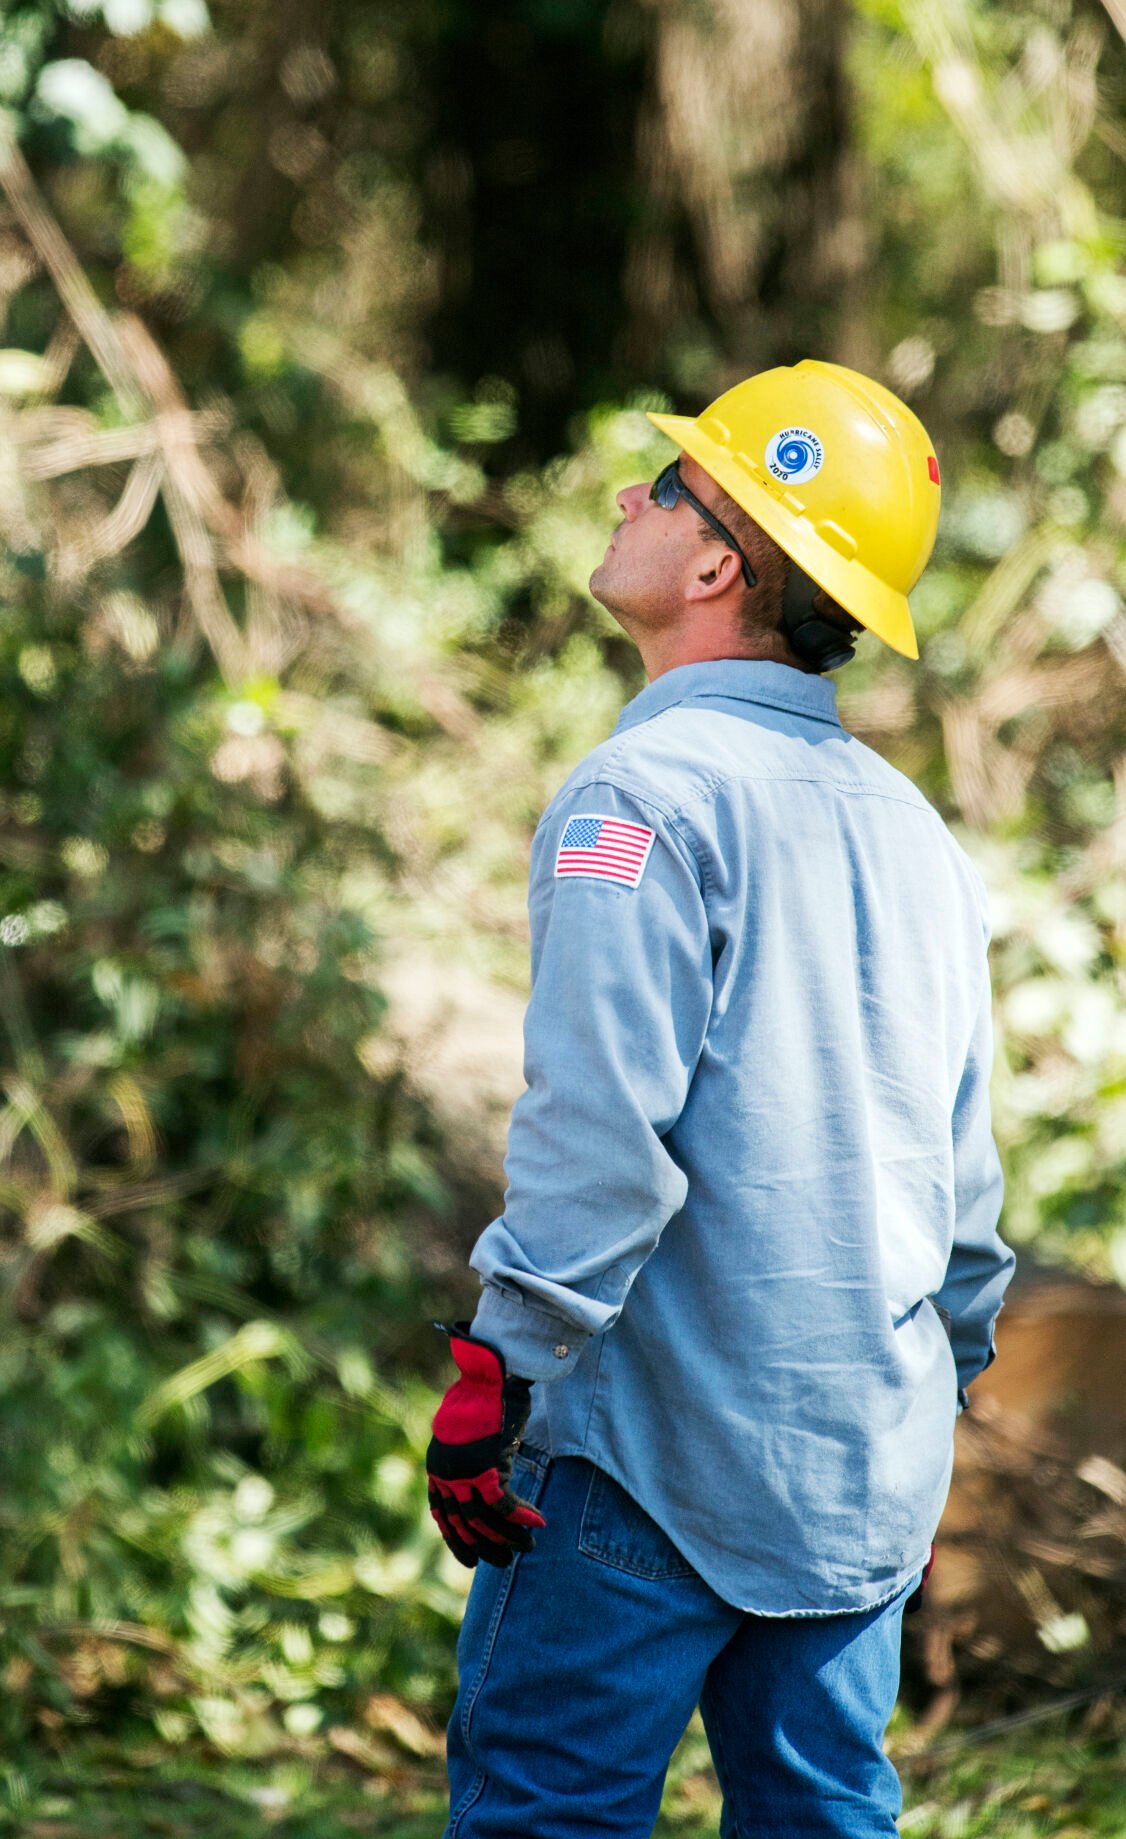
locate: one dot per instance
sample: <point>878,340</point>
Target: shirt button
<point>561,1351</point>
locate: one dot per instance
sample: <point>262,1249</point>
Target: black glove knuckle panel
<point>476,1433</point>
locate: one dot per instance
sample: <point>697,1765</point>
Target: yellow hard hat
<point>838,471</point>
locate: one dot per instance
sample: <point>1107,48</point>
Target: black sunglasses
<point>668,486</point>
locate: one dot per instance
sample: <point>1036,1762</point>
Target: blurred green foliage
<point>1066,1781</point>
<point>295,644</point>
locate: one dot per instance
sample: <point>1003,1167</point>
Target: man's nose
<point>630,500</point>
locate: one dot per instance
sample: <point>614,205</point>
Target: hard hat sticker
<point>794,454</point>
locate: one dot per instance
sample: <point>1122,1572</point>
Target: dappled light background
<point>327,339</point>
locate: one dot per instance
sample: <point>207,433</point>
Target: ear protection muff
<point>815,640</point>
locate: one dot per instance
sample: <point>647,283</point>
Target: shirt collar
<point>781,686</point>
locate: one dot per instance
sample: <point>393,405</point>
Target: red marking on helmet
<point>932,467</point>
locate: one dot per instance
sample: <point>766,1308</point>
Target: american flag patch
<point>604,848</point>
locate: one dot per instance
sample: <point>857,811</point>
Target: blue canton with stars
<point>582,833</point>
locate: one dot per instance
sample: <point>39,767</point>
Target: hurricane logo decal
<point>794,454</point>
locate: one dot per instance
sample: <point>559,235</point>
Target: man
<point>748,1261</point>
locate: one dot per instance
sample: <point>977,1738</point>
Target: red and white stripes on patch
<point>604,848</point>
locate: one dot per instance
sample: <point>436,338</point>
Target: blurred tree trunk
<point>647,192</point>
<point>527,189</point>
<point>751,242</point>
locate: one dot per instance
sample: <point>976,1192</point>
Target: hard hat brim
<point>879,607</point>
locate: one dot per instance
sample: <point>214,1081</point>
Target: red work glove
<point>915,1600</point>
<point>477,1431</point>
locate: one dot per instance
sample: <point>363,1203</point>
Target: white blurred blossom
<point>1014,435</point>
<point>73,89</point>
<point>1063,1633</point>
<point>1036,1006</point>
<point>1049,309</point>
<point>126,17</point>
<point>1068,940</point>
<point>911,363</point>
<point>987,522</point>
<point>245,718</point>
<point>1100,413</point>
<point>253,1497</point>
<point>46,917</point>
<point>1078,609</point>
<point>83,856</point>
<point>37,668</point>
<point>1094,1027</point>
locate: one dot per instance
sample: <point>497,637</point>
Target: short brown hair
<point>762,604</point>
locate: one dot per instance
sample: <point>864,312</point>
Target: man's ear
<point>716,571</point>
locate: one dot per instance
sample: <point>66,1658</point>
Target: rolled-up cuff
<point>535,1344</point>
<point>967,1376</point>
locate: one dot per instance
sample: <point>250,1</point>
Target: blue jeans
<point>582,1663</point>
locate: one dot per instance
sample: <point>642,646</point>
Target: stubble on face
<point>639,578</point>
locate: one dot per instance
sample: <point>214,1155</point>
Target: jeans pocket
<point>529,1472</point>
<point>616,1531</point>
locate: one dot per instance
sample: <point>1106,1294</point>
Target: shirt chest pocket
<point>617,1532</point>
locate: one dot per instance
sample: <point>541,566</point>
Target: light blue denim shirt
<point>749,1243</point>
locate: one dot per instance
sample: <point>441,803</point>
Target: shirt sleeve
<point>620,1001</point>
<point>980,1264</point>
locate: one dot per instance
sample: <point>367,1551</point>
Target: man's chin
<point>602,578</point>
<point>597,584</point>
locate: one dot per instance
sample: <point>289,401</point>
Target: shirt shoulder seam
<point>623,738</point>
<point>715,784</point>
<point>708,787</point>
<point>650,804</point>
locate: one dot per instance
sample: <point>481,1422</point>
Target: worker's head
<point>671,577</point>
<point>826,489</point>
